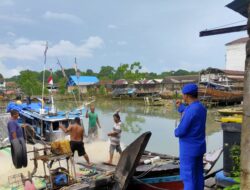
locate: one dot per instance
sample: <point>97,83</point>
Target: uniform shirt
<point>92,119</point>
<point>14,127</point>
<point>191,130</point>
<point>115,140</point>
<point>181,108</point>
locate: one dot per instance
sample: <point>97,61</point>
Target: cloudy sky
<point>161,34</point>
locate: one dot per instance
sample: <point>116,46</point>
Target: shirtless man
<point>76,138</point>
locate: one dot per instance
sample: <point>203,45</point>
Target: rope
<point>151,186</point>
<point>227,24</point>
<point>146,172</point>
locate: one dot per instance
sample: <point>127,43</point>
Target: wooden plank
<point>99,167</point>
<point>129,160</point>
<point>223,30</point>
<point>78,186</point>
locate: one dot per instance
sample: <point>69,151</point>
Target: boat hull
<point>169,182</point>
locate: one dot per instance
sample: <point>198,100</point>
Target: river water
<point>138,118</point>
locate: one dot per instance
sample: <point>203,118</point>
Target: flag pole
<point>77,75</point>
<point>45,59</point>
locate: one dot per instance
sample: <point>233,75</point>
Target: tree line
<point>31,81</point>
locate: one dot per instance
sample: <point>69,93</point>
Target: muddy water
<point>137,118</point>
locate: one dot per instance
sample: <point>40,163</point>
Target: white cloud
<point>62,16</point>
<point>6,3</point>
<point>24,49</point>
<point>122,43</point>
<point>7,72</point>
<point>16,19</point>
<point>20,41</point>
<point>112,26</point>
<point>11,34</point>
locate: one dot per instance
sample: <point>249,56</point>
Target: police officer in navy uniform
<point>192,143</point>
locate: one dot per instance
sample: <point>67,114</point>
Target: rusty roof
<point>120,82</point>
<point>181,79</point>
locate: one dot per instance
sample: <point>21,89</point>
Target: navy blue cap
<point>190,89</point>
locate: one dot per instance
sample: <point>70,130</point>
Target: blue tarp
<point>33,106</point>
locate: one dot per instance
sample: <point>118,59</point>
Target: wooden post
<point>245,133</point>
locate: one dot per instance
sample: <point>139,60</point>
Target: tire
<point>16,153</point>
<point>24,153</point>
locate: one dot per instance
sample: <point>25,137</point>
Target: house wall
<point>83,89</point>
<point>235,57</point>
<point>2,85</point>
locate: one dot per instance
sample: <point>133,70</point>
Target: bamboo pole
<point>45,59</point>
<point>245,133</point>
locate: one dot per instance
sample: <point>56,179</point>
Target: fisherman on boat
<point>191,134</point>
<point>76,138</point>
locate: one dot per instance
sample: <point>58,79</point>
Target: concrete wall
<point>235,57</point>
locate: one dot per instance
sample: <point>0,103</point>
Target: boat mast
<point>45,59</point>
<point>78,76</point>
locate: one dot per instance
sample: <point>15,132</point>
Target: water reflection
<point>133,123</point>
<point>138,118</point>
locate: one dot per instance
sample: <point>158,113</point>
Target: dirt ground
<point>97,151</point>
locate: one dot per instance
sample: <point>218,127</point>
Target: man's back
<point>76,133</point>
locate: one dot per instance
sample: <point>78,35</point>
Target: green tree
<point>106,72</point>
<point>181,72</point>
<point>102,90</point>
<point>90,72</point>
<point>121,71</point>
<point>29,83</point>
<point>62,86</point>
<point>1,76</point>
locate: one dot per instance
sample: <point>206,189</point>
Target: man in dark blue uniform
<point>191,134</point>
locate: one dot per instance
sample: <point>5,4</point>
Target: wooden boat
<point>46,123</point>
<point>153,101</point>
<point>232,119</point>
<point>163,173</point>
<point>230,111</point>
<point>220,96</point>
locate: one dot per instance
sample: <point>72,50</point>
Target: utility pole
<point>245,132</point>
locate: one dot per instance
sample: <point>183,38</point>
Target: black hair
<point>116,115</point>
<point>77,120</point>
<point>13,112</point>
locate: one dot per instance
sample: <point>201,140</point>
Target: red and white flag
<point>50,79</point>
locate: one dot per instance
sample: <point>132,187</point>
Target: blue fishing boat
<point>45,121</point>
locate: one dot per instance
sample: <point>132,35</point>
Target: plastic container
<point>231,137</point>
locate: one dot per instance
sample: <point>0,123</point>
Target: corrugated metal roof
<point>238,41</point>
<point>121,82</point>
<point>181,79</point>
<point>84,80</point>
